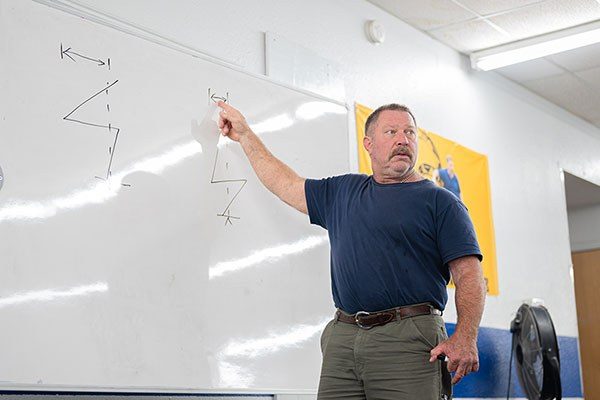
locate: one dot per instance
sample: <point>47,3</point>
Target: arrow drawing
<point>70,53</point>
<point>215,98</point>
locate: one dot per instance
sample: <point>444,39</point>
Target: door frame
<point>562,172</point>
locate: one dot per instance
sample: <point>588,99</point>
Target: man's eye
<point>390,132</point>
<point>410,132</point>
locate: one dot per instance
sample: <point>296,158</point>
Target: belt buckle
<point>359,313</point>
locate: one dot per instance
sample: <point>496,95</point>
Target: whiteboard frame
<point>79,10</point>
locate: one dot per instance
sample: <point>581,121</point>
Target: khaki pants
<point>384,362</point>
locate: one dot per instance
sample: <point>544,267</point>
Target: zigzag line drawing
<point>226,211</point>
<point>109,126</point>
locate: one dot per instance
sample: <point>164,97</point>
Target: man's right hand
<point>232,123</point>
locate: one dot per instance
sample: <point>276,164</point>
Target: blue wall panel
<point>494,355</point>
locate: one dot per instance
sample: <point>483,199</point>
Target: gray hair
<point>372,120</point>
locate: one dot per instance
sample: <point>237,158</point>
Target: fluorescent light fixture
<point>537,47</point>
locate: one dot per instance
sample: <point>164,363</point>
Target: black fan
<point>536,351</point>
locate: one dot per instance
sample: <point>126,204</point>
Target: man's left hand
<point>462,354</point>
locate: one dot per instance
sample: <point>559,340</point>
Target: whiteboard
<point>133,256</point>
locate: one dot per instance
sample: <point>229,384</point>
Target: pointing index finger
<point>223,105</point>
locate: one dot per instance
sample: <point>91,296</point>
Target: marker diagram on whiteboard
<point>68,53</point>
<point>226,213</point>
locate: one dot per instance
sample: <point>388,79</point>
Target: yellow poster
<point>460,170</point>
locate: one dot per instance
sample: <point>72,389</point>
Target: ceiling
<point>570,79</point>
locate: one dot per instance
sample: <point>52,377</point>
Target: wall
<point>584,228</point>
<point>526,138</point>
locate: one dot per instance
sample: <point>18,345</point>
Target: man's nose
<point>401,139</point>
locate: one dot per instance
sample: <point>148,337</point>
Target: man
<point>395,238</point>
<point>448,177</point>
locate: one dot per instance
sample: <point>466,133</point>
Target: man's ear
<point>367,143</point>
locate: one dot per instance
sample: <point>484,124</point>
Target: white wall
<point>584,228</point>
<point>526,139</point>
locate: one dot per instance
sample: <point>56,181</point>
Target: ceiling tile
<point>531,70</point>
<point>549,16</point>
<point>469,36</point>
<point>591,76</point>
<point>594,118</point>
<point>568,92</point>
<point>571,79</point>
<point>578,59</point>
<point>425,14</point>
<point>485,7</point>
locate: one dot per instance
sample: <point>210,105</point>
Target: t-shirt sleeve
<point>320,196</point>
<point>455,232</point>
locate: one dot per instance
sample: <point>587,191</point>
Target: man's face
<point>392,145</point>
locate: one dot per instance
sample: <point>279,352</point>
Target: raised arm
<point>461,347</point>
<point>280,179</point>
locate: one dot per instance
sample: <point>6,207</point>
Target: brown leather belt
<point>367,320</point>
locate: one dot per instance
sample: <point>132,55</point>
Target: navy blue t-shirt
<point>390,243</point>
